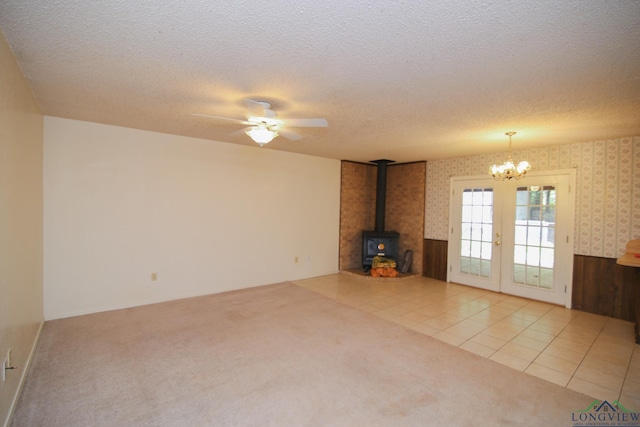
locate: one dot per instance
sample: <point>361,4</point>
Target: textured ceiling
<point>406,80</point>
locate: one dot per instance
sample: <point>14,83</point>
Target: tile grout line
<point>585,356</point>
<point>517,335</point>
<point>581,360</point>
<point>626,374</point>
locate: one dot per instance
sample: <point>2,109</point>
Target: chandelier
<point>508,170</point>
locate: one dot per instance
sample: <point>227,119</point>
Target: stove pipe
<point>381,192</point>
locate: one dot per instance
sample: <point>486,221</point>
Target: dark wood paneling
<point>594,288</point>
<point>601,286</point>
<point>629,277</point>
<point>434,259</point>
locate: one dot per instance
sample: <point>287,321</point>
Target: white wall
<point>207,216</point>
<point>21,128</point>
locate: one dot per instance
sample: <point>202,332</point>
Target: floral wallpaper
<point>607,193</point>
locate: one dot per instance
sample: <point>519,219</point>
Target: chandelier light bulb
<point>508,170</point>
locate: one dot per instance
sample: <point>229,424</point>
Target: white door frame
<point>566,271</point>
<point>491,283</point>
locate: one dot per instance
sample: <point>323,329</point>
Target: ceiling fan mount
<point>262,124</point>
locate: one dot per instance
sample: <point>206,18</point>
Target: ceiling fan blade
<point>259,109</point>
<point>270,114</point>
<point>250,103</point>
<point>289,135</point>
<point>241,131</point>
<point>244,122</point>
<point>306,123</point>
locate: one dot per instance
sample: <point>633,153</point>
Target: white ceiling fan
<point>263,124</point>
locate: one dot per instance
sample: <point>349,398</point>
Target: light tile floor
<point>589,353</point>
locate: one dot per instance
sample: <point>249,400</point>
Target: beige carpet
<point>276,355</point>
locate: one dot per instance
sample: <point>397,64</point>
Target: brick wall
<point>357,210</point>
<point>404,209</point>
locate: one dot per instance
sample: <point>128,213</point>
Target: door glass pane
<point>546,278</point>
<point>475,249</point>
<point>533,276</point>
<point>533,256</point>
<point>522,212</point>
<point>487,214</point>
<point>518,274</point>
<point>520,254</point>
<point>485,268</point>
<point>546,258</point>
<point>465,266</point>
<point>477,229</point>
<point>476,232</point>
<point>487,198</point>
<point>534,232</point>
<point>521,235</point>
<point>466,231</point>
<point>487,232</point>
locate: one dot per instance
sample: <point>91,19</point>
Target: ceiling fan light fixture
<point>261,135</point>
<point>264,125</point>
<point>508,170</point>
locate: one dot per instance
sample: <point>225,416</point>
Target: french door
<point>514,237</point>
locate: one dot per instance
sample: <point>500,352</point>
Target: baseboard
<point>23,377</point>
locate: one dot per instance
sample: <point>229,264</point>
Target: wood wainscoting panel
<point>601,286</point>
<point>434,259</point>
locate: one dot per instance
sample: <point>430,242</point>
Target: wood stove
<point>379,242</point>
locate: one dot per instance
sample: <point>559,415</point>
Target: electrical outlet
<point>295,260</point>
<point>154,277</point>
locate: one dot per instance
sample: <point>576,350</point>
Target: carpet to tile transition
<point>275,355</point>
